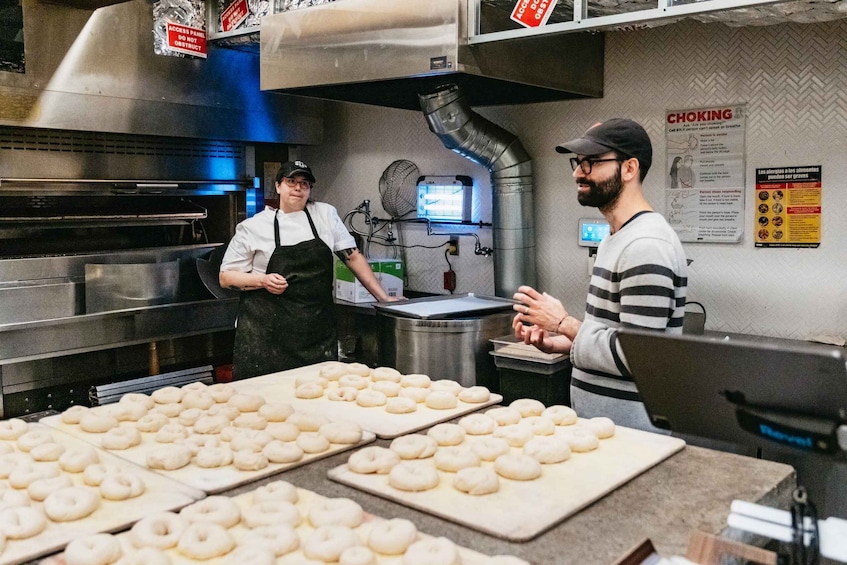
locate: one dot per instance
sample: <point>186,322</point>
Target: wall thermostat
<point>592,231</point>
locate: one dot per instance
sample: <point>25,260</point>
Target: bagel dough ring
<point>447,434</point>
<point>336,512</point>
<point>540,425</point>
<point>309,391</point>
<point>196,442</point>
<point>246,402</point>
<point>478,424</point>
<point>94,474</point>
<point>169,457</point>
<point>327,543</point>
<point>447,385</point>
<point>356,381</point>
<point>416,393</point>
<point>254,555</point>
<point>224,410</point>
<point>333,370</point>
<point>432,550</point>
<point>121,486</point>
<point>34,438</point>
<point>441,400</point>
<point>560,414</point>
<point>128,411</point>
<point>195,386</point>
<point>451,459</point>
<point>490,448</point>
<point>49,451</point>
<point>276,491</point>
<point>344,394</point>
<point>246,460</point>
<point>548,449</point>
<point>139,398</point>
<point>152,422</point>
<point>13,498</point>
<point>228,433</point>
<point>272,512</point>
<point>76,459</point>
<point>307,422</point>
<point>475,395</point>
<point>250,420</point>
<point>73,414</point>
<point>414,446</point>
<point>276,411</point>
<point>517,467</point>
<point>26,473</point>
<point>169,433</point>
<point>281,452</point>
<point>221,510</point>
<point>167,395</point>
<point>160,531</point>
<point>22,522</point>
<point>40,489</point>
<point>602,427</point>
<point>213,457</point>
<point>210,424</point>
<point>358,369</point>
<point>203,541</point>
<point>357,555</point>
<point>93,549</point>
<point>120,438</point>
<point>392,537</point>
<point>345,433</point>
<point>312,442</point>
<point>401,405</point>
<point>381,374</point>
<point>504,415</point>
<point>390,389</point>
<point>71,503</point>
<point>221,392</point>
<point>416,380</point>
<point>189,416</point>
<point>414,476</point>
<point>476,481</point>
<point>369,398</point>
<point>279,539</point>
<point>12,428</point>
<point>373,459</point>
<point>283,431</point>
<point>528,407</point>
<point>516,434</point>
<point>310,379</point>
<point>582,440</point>
<point>251,440</point>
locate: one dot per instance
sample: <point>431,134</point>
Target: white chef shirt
<point>253,243</point>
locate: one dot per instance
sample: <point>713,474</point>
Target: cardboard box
<point>389,272</point>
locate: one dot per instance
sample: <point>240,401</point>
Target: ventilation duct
<point>467,133</point>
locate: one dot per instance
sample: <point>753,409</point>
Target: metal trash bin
<point>445,337</point>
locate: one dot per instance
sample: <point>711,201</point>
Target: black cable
<point>803,510</point>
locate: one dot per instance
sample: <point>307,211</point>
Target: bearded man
<point>639,278</point>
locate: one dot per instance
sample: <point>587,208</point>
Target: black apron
<point>277,332</point>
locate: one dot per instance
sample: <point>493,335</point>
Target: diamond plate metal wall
<point>793,79</point>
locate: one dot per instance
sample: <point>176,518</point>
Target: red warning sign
<point>234,14</point>
<point>187,40</point>
<point>533,13</point>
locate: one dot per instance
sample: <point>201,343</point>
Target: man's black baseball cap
<point>615,134</point>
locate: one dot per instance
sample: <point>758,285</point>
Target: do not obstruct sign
<point>533,13</point>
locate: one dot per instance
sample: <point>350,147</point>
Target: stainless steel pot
<point>455,349</point>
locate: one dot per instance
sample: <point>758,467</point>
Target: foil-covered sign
<point>179,28</point>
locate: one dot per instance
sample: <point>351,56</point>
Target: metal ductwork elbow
<point>501,152</point>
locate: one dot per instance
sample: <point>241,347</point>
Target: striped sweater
<point>639,281</point>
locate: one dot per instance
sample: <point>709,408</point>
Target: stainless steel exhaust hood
<point>386,53</point>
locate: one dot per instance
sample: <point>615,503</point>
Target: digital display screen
<point>592,232</point>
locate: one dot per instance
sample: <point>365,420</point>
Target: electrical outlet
<point>453,246</point>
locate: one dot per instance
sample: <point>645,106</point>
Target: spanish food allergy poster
<point>704,173</point>
<point>788,206</point>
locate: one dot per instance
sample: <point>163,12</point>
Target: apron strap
<point>276,226</point>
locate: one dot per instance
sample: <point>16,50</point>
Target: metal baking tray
<point>446,306</point>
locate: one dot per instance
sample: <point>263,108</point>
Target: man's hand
<point>540,338</point>
<point>539,309</point>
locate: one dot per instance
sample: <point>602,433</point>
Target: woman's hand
<point>274,283</point>
<point>539,309</point>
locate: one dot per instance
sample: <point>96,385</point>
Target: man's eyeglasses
<point>586,164</point>
<point>294,182</point>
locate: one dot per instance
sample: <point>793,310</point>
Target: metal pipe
<point>467,133</point>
